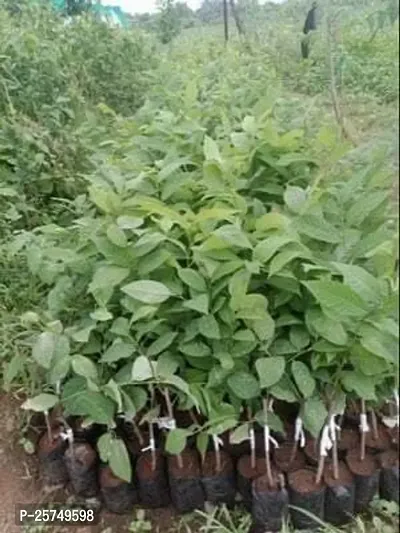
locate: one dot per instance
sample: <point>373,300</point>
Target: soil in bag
<point>379,444</point>
<point>153,484</point>
<point>245,476</point>
<point>305,494</point>
<point>339,496</point>
<point>389,478</point>
<point>283,456</point>
<point>219,486</point>
<point>270,504</point>
<point>185,483</point>
<point>118,495</point>
<point>349,439</point>
<point>51,458</point>
<point>311,452</point>
<point>81,460</point>
<point>366,478</point>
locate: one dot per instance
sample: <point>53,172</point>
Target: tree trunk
<point>236,17</point>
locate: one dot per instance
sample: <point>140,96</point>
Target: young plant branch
<point>170,411</point>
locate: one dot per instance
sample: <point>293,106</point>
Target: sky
<point>147,6</point>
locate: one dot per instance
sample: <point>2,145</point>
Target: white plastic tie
<point>151,446</point>
<point>326,443</point>
<point>68,435</point>
<point>333,428</point>
<point>252,437</point>
<point>396,399</point>
<point>299,435</point>
<point>166,423</point>
<point>268,439</point>
<point>218,442</point>
<point>364,427</point>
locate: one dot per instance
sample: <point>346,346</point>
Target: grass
<point>382,518</point>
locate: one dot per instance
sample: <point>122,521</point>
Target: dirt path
<point>17,469</point>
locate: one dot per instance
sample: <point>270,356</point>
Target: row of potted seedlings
<point>202,280</point>
<point>331,477</point>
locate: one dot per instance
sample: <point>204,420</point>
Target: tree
<point>169,25</point>
<point>76,7</point>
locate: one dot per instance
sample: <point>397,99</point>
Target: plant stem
<point>335,459</point>
<point>217,455</point>
<point>363,435</point>
<point>320,472</point>
<point>137,432</point>
<point>374,423</point>
<point>252,448</point>
<point>152,449</point>
<point>294,451</point>
<point>193,417</point>
<point>48,426</point>
<point>267,456</point>
<point>171,415</point>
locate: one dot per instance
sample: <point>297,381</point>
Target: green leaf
<point>233,236</point>
<point>167,365</point>
<point>195,349</point>
<point>142,369</point>
<point>199,304</point>
<point>80,401</point>
<point>283,258</point>
<point>40,403</point>
<point>380,345</point>
<point>295,198</point>
<point>361,384</point>
<point>209,327</point>
<point>244,335</point>
<point>113,451</point>
<point>329,329</point>
<point>44,348</point>
<point>147,291</point>
<point>264,327</point>
<point>361,282</point>
<point>50,348</point>
<point>119,460</point>
<point>176,441</point>
<point>101,315</point>
<point>244,385</point>
<point>117,351</point>
<point>303,378</point>
<point>270,419</point>
<point>147,243</point>
<point>161,344</point>
<point>318,228</point>
<point>364,206</point>
<point>240,434</point>
<point>314,416</point>
<point>84,367</point>
<point>270,370</point>
<point>299,337</point>
<point>272,221</point>
<point>193,279</point>
<point>285,390</point>
<point>117,236</point>
<point>128,222</point>
<point>337,299</point>
<point>211,150</point>
<point>202,440</point>
<point>238,285</point>
<point>267,248</point>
